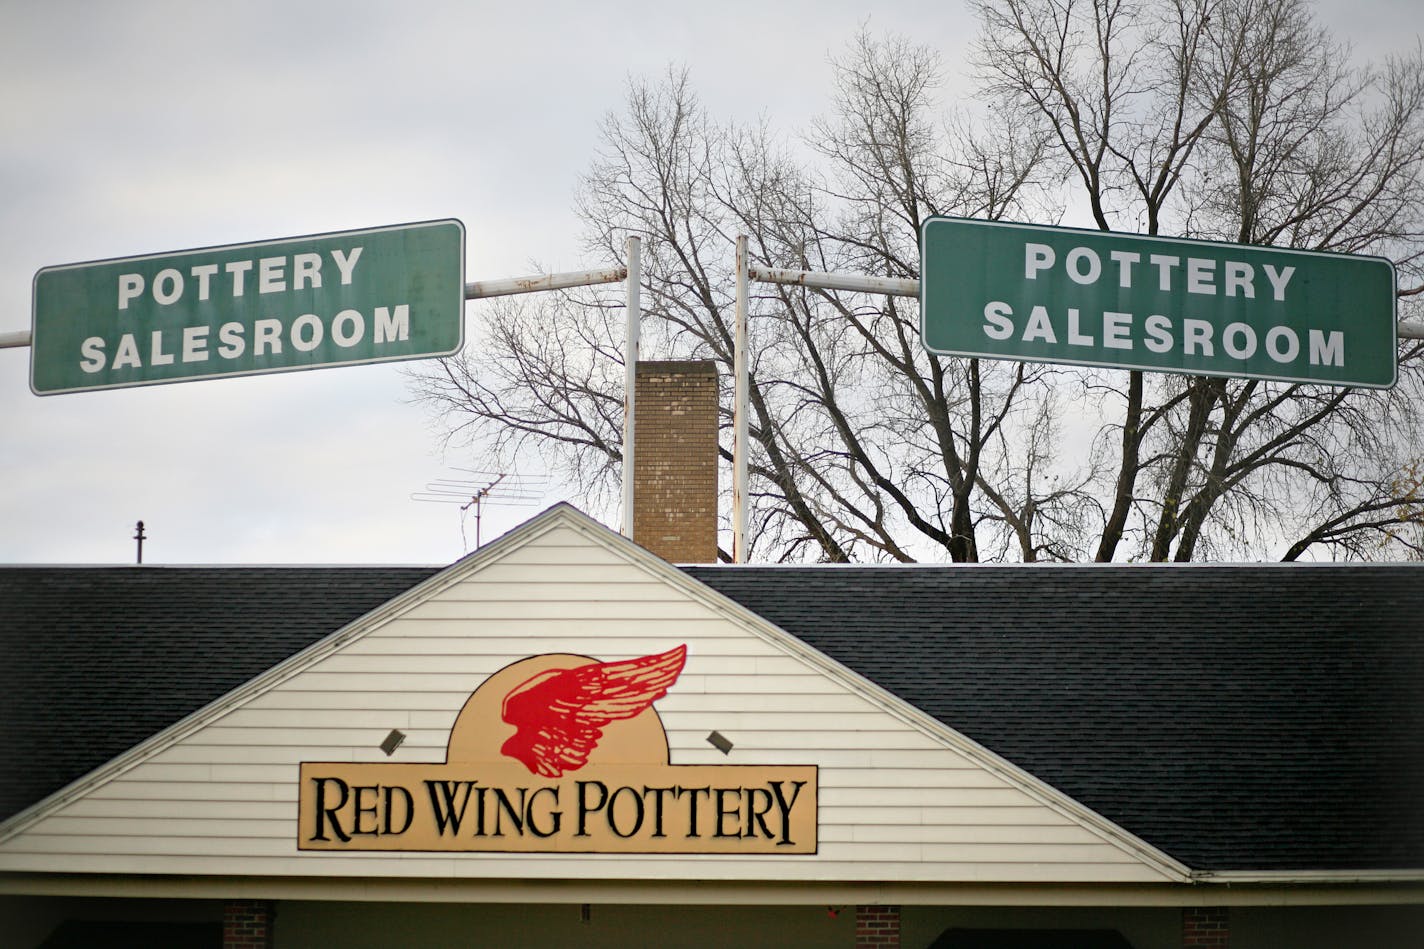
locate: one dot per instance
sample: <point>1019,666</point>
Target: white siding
<point>897,800</point>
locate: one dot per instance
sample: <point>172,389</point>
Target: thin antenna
<point>480,495</point>
<point>512,490</point>
<point>140,537</point>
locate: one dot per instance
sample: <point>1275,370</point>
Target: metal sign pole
<point>630,375</point>
<point>740,498</point>
<point>819,280</point>
<point>481,289</point>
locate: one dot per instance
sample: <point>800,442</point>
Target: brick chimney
<point>675,460</point>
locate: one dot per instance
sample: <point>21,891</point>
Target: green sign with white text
<point>371,295</point>
<point>1097,298</point>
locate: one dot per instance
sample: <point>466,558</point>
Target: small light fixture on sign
<point>721,742</point>
<point>393,741</point>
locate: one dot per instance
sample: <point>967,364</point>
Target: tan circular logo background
<point>480,731</point>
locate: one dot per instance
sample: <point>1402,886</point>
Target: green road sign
<point>1095,298</point>
<point>335,299</point>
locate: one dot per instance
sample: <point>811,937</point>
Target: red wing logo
<point>580,763</point>
<point>559,714</point>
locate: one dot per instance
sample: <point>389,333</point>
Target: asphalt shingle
<point>94,660</point>
<point>1238,717</point>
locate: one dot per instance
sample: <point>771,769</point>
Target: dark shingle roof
<point>93,660</point>
<point>1237,717</point>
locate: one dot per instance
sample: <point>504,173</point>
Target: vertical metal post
<point>740,498</point>
<point>630,374</point>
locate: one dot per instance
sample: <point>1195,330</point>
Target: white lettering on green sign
<point>1124,300</point>
<point>299,303</point>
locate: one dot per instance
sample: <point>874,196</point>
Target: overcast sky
<point>135,128</point>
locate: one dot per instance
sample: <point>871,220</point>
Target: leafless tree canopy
<point>1234,120</point>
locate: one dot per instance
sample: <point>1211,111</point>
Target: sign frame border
<point>1259,248</point>
<point>34,307</point>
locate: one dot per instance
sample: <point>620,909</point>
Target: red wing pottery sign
<point>561,754</point>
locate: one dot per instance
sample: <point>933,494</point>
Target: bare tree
<point>1232,119</point>
<point>1237,120</point>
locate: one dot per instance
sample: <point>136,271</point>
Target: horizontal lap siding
<point>895,802</point>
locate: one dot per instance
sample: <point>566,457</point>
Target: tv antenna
<point>486,487</point>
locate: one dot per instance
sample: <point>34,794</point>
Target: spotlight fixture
<point>721,742</point>
<point>393,741</point>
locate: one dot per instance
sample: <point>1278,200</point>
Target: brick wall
<point>1205,927</point>
<point>675,460</point>
<point>877,926</point>
<point>247,924</point>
